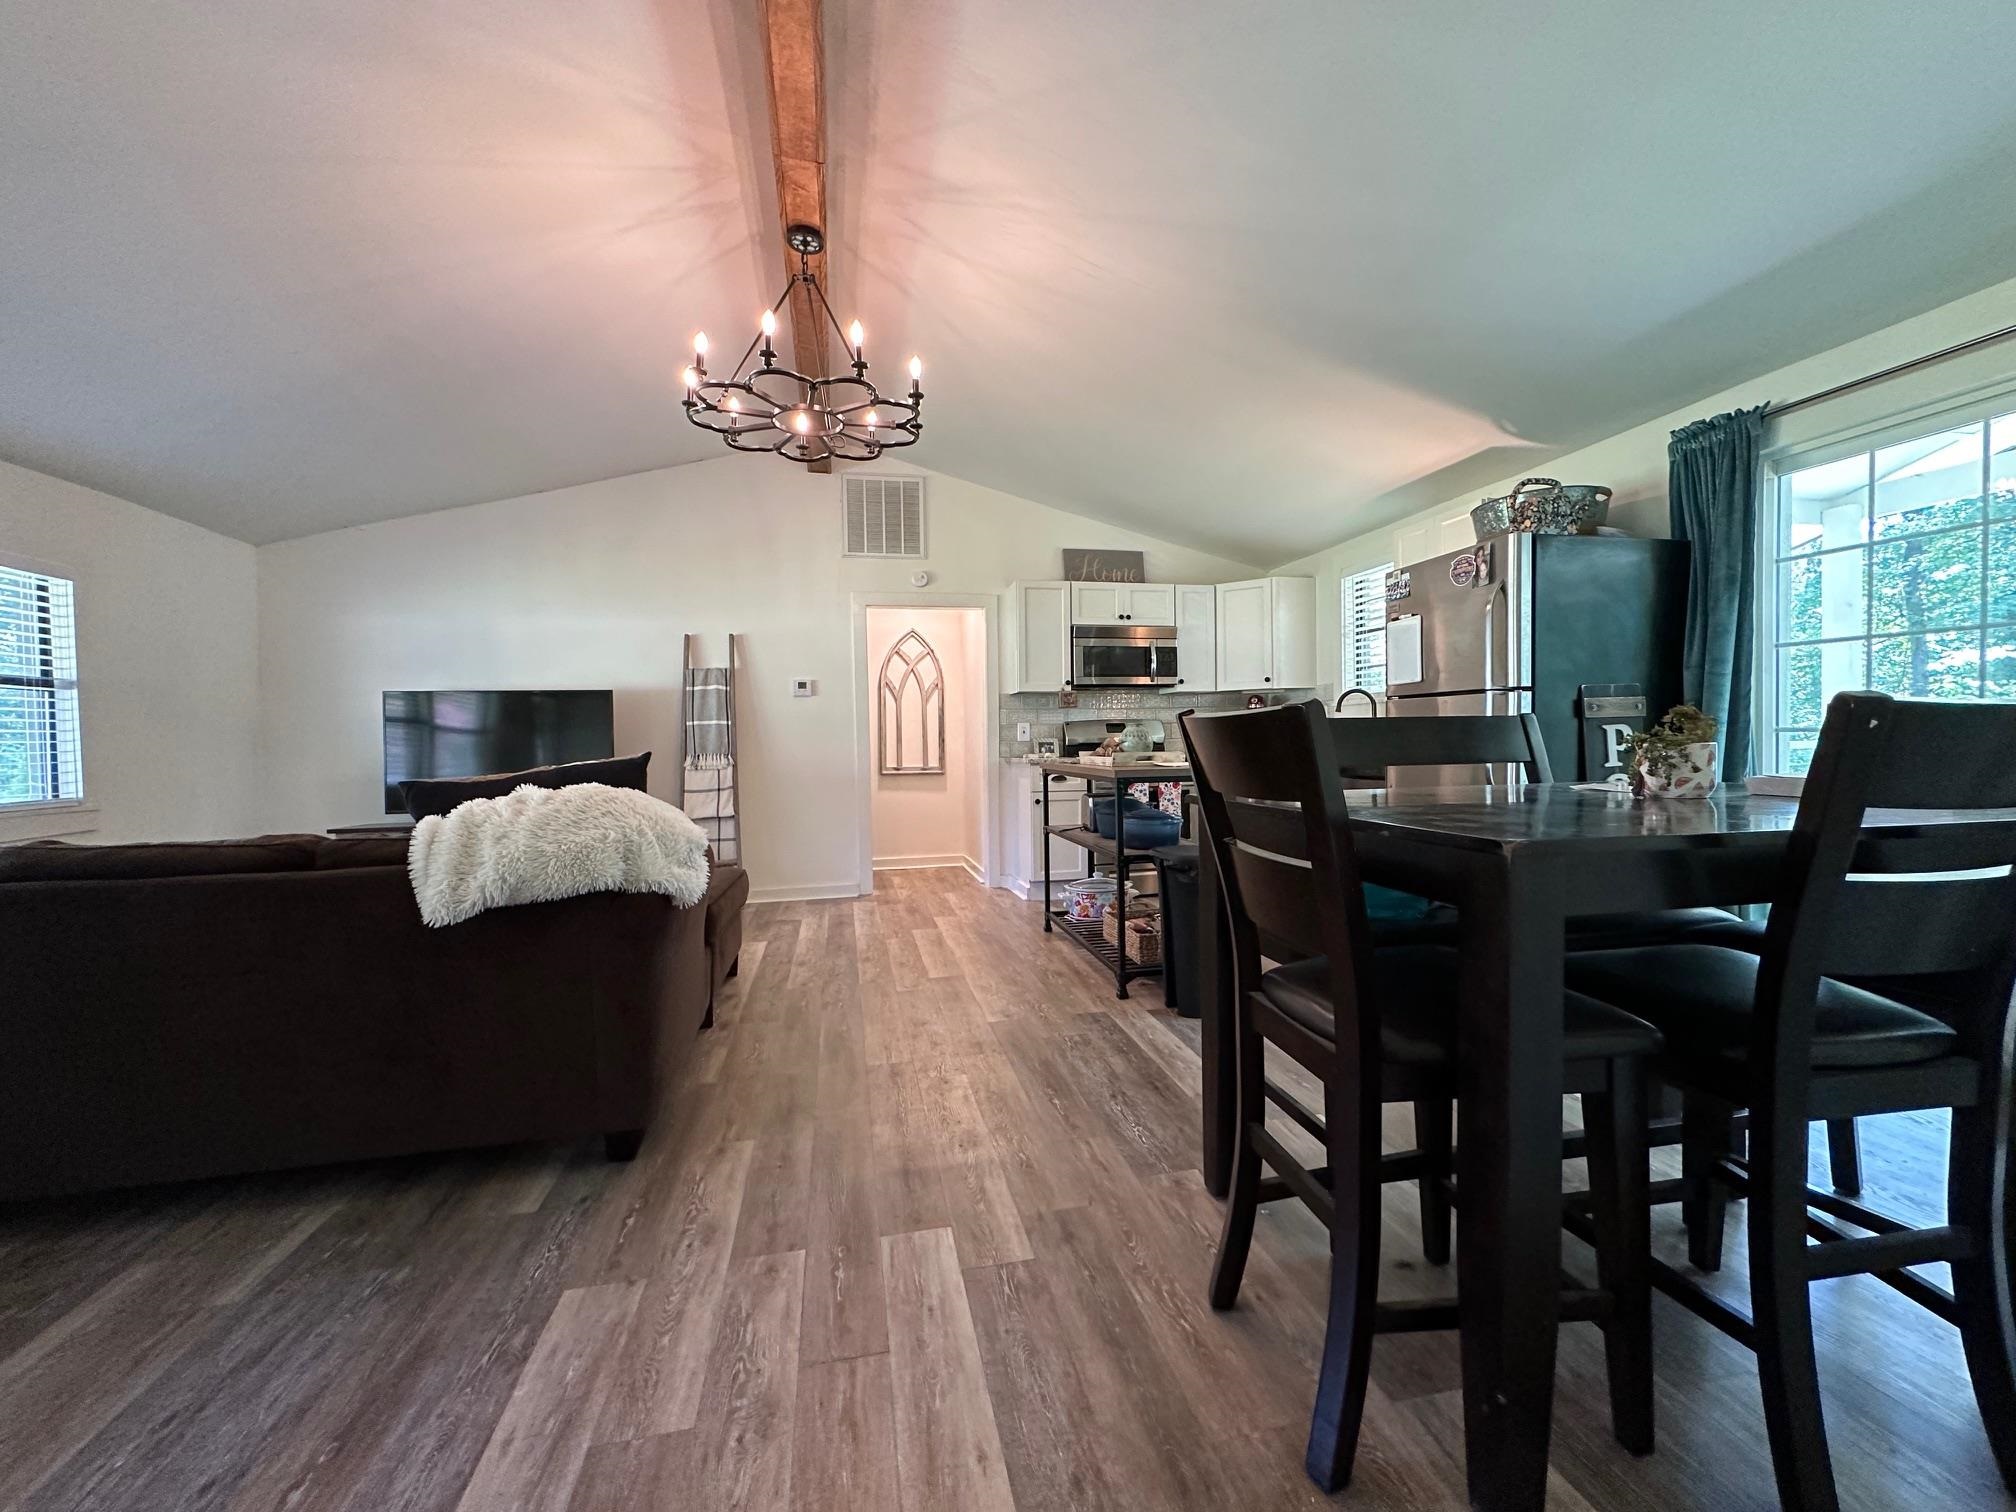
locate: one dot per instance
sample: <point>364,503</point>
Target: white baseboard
<point>1033,887</point>
<point>805,893</point>
<point>922,863</point>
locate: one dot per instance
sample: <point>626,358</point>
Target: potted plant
<point>1676,757</point>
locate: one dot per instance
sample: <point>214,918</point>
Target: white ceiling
<point>1251,277</point>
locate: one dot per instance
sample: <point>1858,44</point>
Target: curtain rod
<point>1773,411</point>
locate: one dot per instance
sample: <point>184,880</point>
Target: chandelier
<point>769,408</point>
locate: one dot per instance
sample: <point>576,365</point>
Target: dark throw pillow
<point>437,795</point>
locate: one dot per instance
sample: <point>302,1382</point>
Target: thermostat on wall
<point>803,687</point>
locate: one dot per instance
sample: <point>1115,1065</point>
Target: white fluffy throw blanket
<point>537,844</point>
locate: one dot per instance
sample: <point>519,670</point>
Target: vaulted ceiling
<point>1249,277</point>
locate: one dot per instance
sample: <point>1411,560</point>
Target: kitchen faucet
<point>1364,693</point>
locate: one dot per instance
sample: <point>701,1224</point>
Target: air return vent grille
<point>885,517</point>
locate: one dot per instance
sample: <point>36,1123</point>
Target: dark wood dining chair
<point>1378,1026</point>
<point>1782,1034</point>
<point>1366,750</point>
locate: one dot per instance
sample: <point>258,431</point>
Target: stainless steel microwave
<point>1123,656</point>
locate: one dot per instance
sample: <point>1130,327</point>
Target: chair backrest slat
<point>1939,756</point>
<point>1368,747</point>
<point>1872,897</point>
<point>1280,897</point>
<point>1953,927</point>
<point>1274,820</point>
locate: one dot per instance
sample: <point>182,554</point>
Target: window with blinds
<point>1364,623</point>
<point>39,757</point>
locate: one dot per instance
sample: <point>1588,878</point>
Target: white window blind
<point>1364,622</point>
<point>39,757</point>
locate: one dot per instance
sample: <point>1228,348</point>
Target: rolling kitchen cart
<point>1090,933</point>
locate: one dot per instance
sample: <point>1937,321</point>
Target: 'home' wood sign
<point>1104,566</point>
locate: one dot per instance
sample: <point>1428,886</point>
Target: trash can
<point>1176,873</point>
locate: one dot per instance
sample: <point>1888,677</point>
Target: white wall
<point>166,662</point>
<point>934,817</point>
<point>593,587</point>
<point>1633,462</point>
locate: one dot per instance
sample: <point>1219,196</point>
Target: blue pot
<point>1147,826</point>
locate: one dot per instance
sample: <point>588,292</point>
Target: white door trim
<point>864,816</point>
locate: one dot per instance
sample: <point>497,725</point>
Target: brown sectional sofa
<point>194,1010</point>
<point>727,892</point>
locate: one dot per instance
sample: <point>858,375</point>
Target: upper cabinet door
<point>1294,616</point>
<point>1040,641</point>
<point>1455,534</point>
<point>1245,635</point>
<point>1197,637</point>
<point>1414,544</point>
<point>1148,603</point>
<point>1095,604</point>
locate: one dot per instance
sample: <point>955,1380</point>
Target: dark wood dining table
<point>1518,863</point>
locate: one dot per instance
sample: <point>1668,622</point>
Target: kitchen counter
<point>1133,771</point>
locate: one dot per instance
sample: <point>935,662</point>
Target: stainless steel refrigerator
<point>1520,624</point>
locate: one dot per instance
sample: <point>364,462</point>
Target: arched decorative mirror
<point>911,706</point>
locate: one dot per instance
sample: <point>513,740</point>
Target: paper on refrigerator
<point>1403,649</point>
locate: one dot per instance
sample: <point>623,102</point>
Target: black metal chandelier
<point>769,408</point>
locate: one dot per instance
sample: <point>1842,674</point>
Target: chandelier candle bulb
<point>700,344</point>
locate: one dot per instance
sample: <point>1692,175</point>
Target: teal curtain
<point>1712,490</point>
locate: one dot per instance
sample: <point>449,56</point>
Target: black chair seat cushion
<point>1946,998</point>
<point>1419,988</point>
<point>1702,997</point>
<point>1590,932</point>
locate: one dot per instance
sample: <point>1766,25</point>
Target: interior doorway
<point>925,684</point>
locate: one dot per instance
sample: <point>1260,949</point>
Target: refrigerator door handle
<point>1493,776</point>
<point>1490,642</point>
<point>1491,677</point>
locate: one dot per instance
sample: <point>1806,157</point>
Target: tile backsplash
<point>1047,718</point>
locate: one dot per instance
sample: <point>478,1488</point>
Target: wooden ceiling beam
<point>794,50</point>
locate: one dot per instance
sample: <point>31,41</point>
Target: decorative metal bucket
<point>1543,506</point>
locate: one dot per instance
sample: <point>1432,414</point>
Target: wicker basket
<point>1144,931</point>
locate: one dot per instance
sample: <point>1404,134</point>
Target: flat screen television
<point>470,733</point>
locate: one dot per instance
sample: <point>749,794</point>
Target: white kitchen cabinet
<point>1267,634</point>
<point>1414,544</point>
<point>1123,603</point>
<point>1026,837</point>
<point>1245,619</point>
<point>1039,637</point>
<point>1455,533</point>
<point>1197,637</point>
<point>1293,613</point>
<point>1436,538</point>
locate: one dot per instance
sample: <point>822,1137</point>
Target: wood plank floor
<point>923,1230</point>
